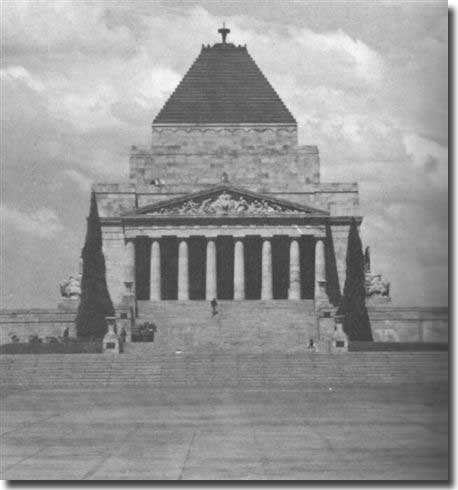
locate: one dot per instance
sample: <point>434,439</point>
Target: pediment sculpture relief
<point>226,203</point>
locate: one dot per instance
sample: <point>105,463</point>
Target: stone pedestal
<point>68,304</point>
<point>111,342</point>
<point>339,339</point>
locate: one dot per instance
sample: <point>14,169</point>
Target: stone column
<point>239,270</point>
<point>210,278</point>
<point>129,262</point>
<point>155,278</point>
<point>266,276</point>
<point>294,291</point>
<point>320,269</point>
<point>183,279</point>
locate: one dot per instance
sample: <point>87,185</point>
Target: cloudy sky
<point>82,81</point>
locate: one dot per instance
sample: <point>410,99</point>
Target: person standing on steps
<point>214,305</point>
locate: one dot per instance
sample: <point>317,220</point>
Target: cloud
<point>429,157</point>
<point>63,26</point>
<point>19,74</point>
<point>83,80</point>
<point>41,223</point>
<point>81,180</point>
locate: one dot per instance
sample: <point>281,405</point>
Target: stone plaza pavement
<point>388,433</point>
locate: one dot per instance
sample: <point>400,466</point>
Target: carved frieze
<point>226,203</point>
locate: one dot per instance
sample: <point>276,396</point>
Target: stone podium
<point>111,342</point>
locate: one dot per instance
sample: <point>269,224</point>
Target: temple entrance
<point>280,266</point>
<point>307,261</point>
<point>253,266</point>
<point>197,265</point>
<point>196,249</point>
<point>142,268</point>
<point>169,267</point>
<point>225,267</point>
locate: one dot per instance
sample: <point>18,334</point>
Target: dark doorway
<point>169,267</point>
<point>307,251</point>
<point>280,266</point>
<point>197,253</point>
<point>142,267</point>
<point>253,266</point>
<point>225,267</point>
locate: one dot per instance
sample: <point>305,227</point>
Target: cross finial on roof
<point>224,31</point>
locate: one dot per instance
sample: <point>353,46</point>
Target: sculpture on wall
<point>71,288</point>
<point>376,286</point>
<point>226,203</point>
<point>377,289</point>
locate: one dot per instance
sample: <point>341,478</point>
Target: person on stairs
<point>214,305</point>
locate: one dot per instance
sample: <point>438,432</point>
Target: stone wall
<point>212,137</point>
<point>41,322</point>
<point>408,324</point>
<point>114,251</point>
<point>267,168</point>
<point>48,323</point>
<point>389,323</point>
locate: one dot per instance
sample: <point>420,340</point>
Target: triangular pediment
<point>225,200</point>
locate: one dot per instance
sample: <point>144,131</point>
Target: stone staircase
<point>141,366</point>
<point>239,326</point>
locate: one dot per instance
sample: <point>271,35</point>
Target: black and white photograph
<point>224,240</point>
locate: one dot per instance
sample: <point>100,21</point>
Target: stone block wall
<point>408,324</point>
<point>114,199</point>
<point>48,323</point>
<point>340,240</point>
<point>212,137</point>
<point>266,157</point>
<point>114,252</point>
<point>41,322</point>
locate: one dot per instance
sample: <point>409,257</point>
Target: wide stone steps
<point>89,370</point>
<point>239,326</point>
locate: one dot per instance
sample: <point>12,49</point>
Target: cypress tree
<point>353,306</point>
<point>95,302</point>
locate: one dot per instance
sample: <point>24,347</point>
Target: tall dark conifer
<point>353,306</point>
<point>95,302</point>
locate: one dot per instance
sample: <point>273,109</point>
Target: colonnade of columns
<point>294,291</point>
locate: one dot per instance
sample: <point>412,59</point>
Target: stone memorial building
<point>225,203</point>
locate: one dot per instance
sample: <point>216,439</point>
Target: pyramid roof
<point>224,86</point>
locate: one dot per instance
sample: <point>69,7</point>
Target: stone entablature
<point>340,199</point>
<point>213,137</point>
<point>151,231</point>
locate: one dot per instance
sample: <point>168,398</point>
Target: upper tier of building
<point>224,86</point>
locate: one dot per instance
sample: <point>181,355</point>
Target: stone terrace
<point>315,417</point>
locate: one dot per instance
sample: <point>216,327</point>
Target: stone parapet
<point>409,324</point>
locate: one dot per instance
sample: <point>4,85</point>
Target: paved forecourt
<point>320,432</point>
